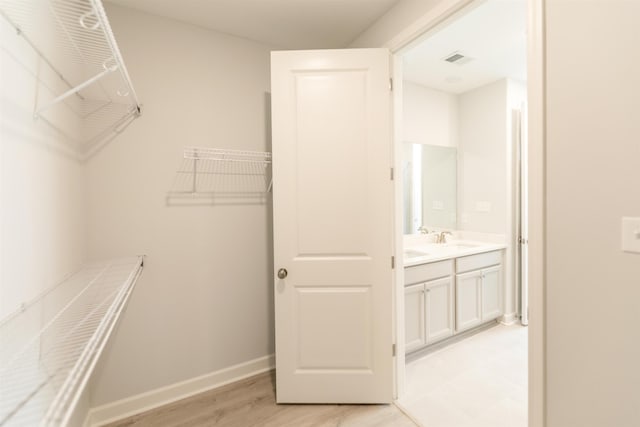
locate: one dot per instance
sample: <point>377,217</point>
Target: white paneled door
<point>333,229</point>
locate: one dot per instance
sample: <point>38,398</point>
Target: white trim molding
<point>397,46</point>
<point>536,100</point>
<point>508,319</point>
<point>406,412</point>
<point>430,21</point>
<point>133,405</point>
<point>536,87</point>
<point>398,289</point>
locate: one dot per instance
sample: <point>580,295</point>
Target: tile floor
<point>480,381</point>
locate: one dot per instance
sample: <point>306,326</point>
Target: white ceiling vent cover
<point>457,58</point>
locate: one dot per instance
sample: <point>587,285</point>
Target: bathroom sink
<point>440,249</point>
<point>454,248</point>
<point>412,253</point>
<point>460,246</point>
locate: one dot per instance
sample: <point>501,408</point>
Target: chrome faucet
<point>442,236</point>
<point>422,229</point>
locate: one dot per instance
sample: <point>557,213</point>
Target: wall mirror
<point>430,187</point>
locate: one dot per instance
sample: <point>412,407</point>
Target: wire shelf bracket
<point>217,172</point>
<point>75,41</point>
<point>50,346</point>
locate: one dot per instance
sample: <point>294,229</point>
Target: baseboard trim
<point>133,405</point>
<point>405,411</point>
<point>508,319</point>
<point>460,336</point>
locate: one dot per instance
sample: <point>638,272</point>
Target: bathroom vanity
<point>450,288</point>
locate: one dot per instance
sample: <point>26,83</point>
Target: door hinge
<point>393,262</point>
<point>393,350</point>
<point>391,85</point>
<point>391,174</point>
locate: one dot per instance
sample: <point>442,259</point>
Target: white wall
<point>42,191</point>
<point>42,223</point>
<point>482,156</point>
<point>593,176</point>
<point>430,116</point>
<point>396,20</point>
<point>485,167</point>
<point>204,301</point>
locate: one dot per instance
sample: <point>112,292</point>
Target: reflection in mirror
<point>430,188</point>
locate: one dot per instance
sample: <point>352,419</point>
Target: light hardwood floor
<point>251,402</point>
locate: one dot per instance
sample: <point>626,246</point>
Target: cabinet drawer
<point>475,262</point>
<point>424,272</point>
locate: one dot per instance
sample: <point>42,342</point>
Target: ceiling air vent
<point>457,58</point>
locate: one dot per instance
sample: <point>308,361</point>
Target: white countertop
<point>430,252</point>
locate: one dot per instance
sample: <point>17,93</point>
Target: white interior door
<point>333,225</point>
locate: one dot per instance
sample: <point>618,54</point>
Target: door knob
<point>282,273</point>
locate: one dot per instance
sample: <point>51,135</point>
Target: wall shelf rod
<point>76,89</point>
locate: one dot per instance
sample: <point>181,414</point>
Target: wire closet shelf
<point>82,65</point>
<point>50,346</point>
<point>222,172</point>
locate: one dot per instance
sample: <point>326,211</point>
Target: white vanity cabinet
<point>446,297</point>
<point>478,289</point>
<point>491,293</point>
<point>428,304</point>
<point>439,309</point>
<point>414,317</point>
<point>468,300</point>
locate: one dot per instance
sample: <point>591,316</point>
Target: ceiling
<point>492,34</point>
<point>287,24</point>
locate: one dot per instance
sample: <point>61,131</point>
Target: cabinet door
<point>439,309</point>
<point>491,293</point>
<point>414,320</point>
<point>468,300</point>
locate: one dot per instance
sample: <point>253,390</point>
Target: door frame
<point>520,162</point>
<point>438,16</point>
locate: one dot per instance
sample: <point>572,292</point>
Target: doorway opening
<point>462,145</point>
